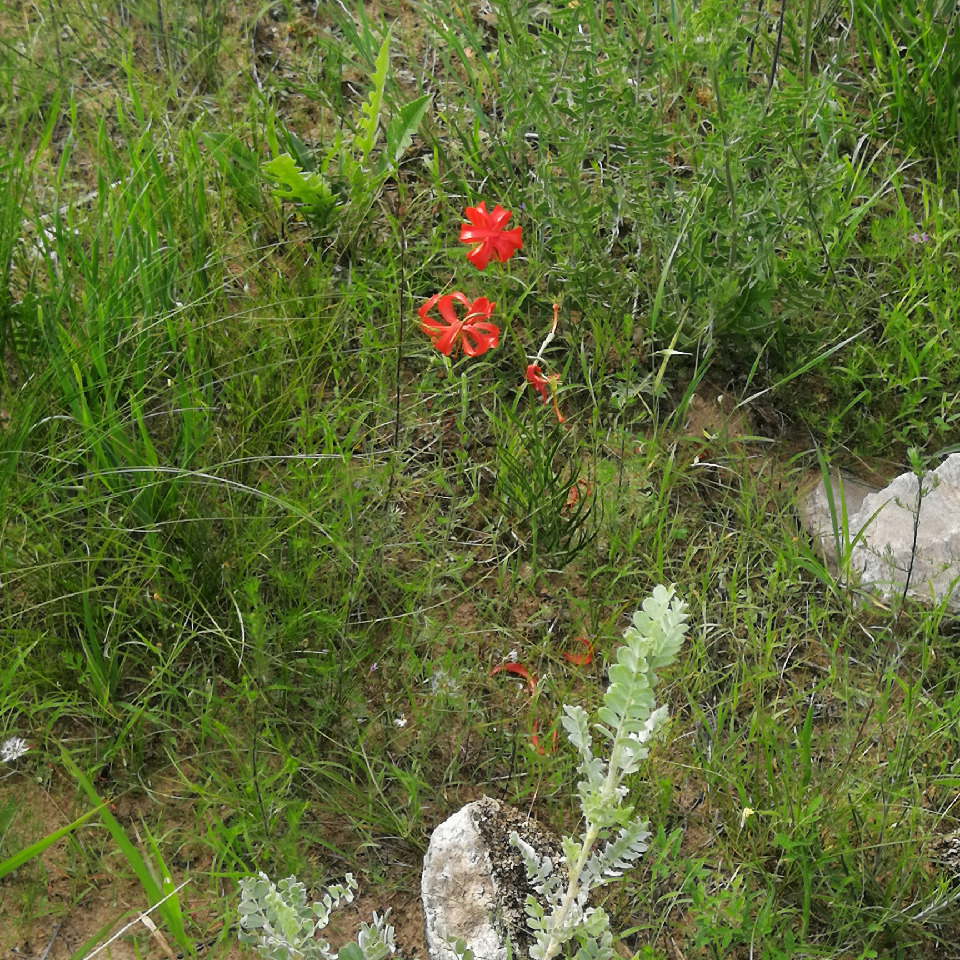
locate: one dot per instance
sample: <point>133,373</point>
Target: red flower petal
<point>487,235</point>
<point>520,671</point>
<point>581,659</point>
<point>535,739</point>
<point>573,494</point>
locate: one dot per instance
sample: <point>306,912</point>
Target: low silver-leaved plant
<point>276,918</point>
<point>613,836</point>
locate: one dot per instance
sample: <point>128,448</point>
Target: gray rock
<point>847,493</point>
<point>884,557</point>
<point>474,884</point>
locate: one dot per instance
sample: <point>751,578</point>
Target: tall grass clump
<point>912,66</point>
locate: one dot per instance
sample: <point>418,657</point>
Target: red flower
<point>486,232</point>
<point>475,330</point>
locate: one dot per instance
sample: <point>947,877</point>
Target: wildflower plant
<point>546,384</point>
<point>488,238</point>
<point>628,720</point>
<point>536,470</point>
<point>275,918</point>
<point>342,180</point>
<point>12,749</point>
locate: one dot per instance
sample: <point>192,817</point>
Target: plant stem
<point>589,839</point>
<point>573,890</point>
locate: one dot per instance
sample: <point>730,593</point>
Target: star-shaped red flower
<point>487,235</point>
<point>474,331</point>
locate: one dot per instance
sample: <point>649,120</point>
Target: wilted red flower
<point>539,382</point>
<point>535,739</point>
<point>487,234</point>
<point>581,659</point>
<point>475,330</point>
<point>573,494</point>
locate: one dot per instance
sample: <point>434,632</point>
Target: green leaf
<point>370,120</point>
<point>350,951</point>
<point>239,164</point>
<point>299,150</point>
<point>97,938</point>
<point>133,856</point>
<point>403,126</point>
<point>35,849</point>
<point>310,189</point>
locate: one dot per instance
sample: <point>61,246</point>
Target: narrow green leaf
<point>92,942</point>
<point>35,849</point>
<point>133,857</point>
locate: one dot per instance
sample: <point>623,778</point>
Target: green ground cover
<point>262,544</point>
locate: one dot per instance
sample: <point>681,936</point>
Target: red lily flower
<point>486,232</point>
<point>475,330</point>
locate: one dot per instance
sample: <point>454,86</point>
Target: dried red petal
<point>581,659</point>
<point>535,739</point>
<point>573,494</point>
<point>520,671</point>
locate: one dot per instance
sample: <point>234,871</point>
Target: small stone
<point>847,493</point>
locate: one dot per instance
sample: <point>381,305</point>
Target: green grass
<point>260,545</point>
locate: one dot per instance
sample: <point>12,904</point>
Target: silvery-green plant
<point>627,722</point>
<point>275,918</point>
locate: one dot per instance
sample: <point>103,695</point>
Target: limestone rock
<point>885,556</point>
<point>474,884</point>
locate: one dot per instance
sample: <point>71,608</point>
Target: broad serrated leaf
<point>404,125</point>
<point>295,186</point>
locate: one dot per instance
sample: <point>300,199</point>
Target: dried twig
<point>140,919</point>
